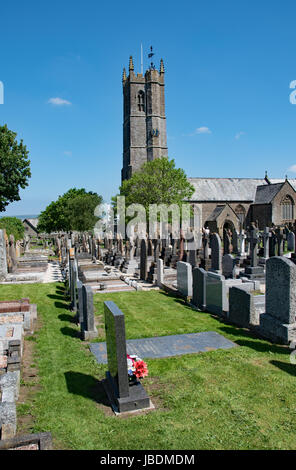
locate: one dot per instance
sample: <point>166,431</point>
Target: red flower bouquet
<point>136,367</point>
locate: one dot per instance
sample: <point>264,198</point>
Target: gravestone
<point>143,260</point>
<point>254,271</point>
<point>291,241</point>
<point>159,272</point>
<point>216,300</point>
<point>184,278</point>
<point>226,242</point>
<point>79,286</point>
<point>88,329</point>
<point>12,254</point>
<point>278,321</point>
<point>216,255</point>
<point>244,307</point>
<point>266,237</point>
<point>228,266</point>
<point>123,395</point>
<point>199,288</point>
<point>280,241</point>
<point>234,241</point>
<point>3,259</point>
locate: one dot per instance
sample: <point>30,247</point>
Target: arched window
<point>287,205</point>
<point>240,211</point>
<point>141,100</point>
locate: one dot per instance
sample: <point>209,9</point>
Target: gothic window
<point>241,213</point>
<point>287,208</point>
<point>141,100</point>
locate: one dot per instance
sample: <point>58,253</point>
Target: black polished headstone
<point>124,396</point>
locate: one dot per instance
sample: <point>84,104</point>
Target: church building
<point>223,202</point>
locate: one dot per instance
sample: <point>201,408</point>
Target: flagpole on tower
<point>142,59</point>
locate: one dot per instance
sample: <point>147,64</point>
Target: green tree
<point>74,210</point>
<point>14,167</point>
<point>13,226</point>
<point>157,182</point>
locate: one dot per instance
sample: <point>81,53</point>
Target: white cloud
<point>59,102</point>
<point>238,135</point>
<point>292,168</point>
<point>202,130</point>
<point>199,130</point>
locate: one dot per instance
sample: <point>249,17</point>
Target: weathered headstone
<point>278,321</point>
<point>159,272</point>
<point>228,266</point>
<point>124,395</point>
<point>184,278</point>
<point>143,260</point>
<point>12,254</point>
<point>216,300</point>
<point>216,255</point>
<point>3,260</point>
<point>291,241</point>
<point>199,288</point>
<point>88,329</point>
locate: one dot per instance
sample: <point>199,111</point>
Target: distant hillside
<point>22,217</point>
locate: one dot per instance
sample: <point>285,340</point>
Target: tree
<point>14,167</point>
<point>157,182</point>
<point>74,210</point>
<point>13,226</point>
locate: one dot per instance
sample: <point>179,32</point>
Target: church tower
<point>144,122</point>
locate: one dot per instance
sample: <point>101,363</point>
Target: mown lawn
<point>242,398</point>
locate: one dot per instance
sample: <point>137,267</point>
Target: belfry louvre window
<point>141,101</point>
<point>287,208</point>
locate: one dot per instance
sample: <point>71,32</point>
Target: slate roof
<point>216,212</point>
<point>230,189</point>
<point>32,222</point>
<point>266,193</point>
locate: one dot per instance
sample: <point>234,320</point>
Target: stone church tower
<point>144,122</point>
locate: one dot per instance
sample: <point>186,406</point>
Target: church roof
<point>231,189</point>
<point>266,193</point>
<point>216,212</point>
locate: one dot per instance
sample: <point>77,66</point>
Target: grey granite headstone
<point>278,322</point>
<point>241,307</point>
<point>184,278</point>
<point>216,300</point>
<point>199,288</point>
<point>88,329</point>
<point>80,301</point>
<point>228,266</point>
<point>124,395</point>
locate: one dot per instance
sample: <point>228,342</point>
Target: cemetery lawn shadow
<point>86,386</point>
<point>242,398</point>
<point>286,367</point>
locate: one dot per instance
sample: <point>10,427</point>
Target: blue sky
<point>228,69</point>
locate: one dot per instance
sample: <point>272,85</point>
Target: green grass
<point>242,398</point>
